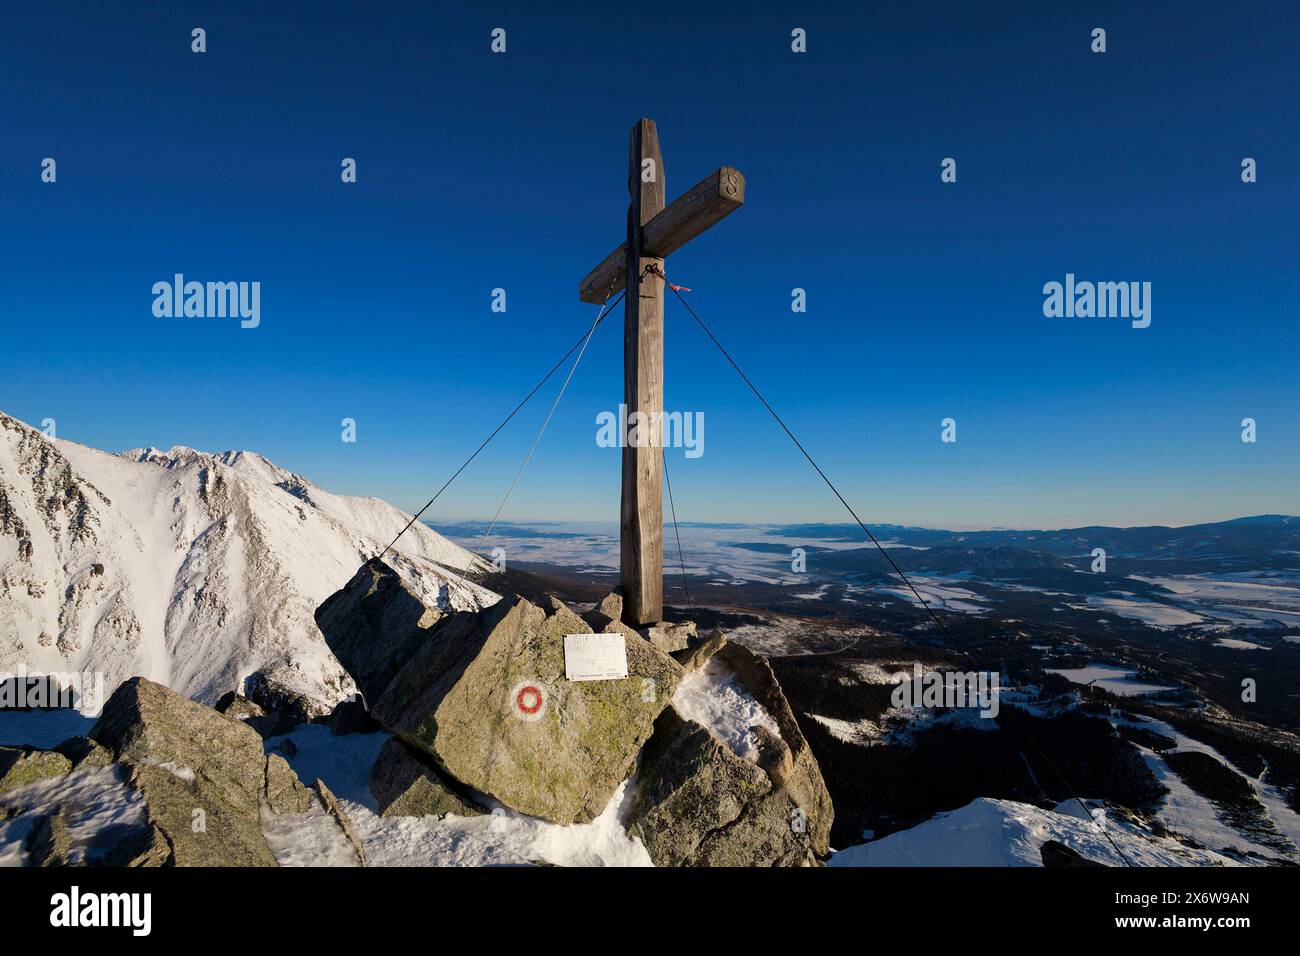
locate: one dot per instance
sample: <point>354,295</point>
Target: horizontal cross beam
<point>710,200</point>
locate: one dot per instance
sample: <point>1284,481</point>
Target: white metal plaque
<point>595,657</point>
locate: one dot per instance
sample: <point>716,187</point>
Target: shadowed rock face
<point>59,835</point>
<point>1055,853</point>
<point>373,625</point>
<point>200,778</point>
<point>85,754</point>
<point>406,784</point>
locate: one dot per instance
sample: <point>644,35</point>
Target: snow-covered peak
<point>191,568</point>
<point>179,455</point>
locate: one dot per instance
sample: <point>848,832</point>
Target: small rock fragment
<point>335,809</point>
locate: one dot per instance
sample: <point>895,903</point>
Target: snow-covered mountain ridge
<point>196,570</point>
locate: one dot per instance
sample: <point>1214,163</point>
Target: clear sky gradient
<point>479,171</point>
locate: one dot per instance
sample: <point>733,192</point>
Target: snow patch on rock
<point>863,732</point>
<point>501,837</point>
<point>715,699</point>
<point>94,801</point>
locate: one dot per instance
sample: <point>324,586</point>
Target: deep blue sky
<point>478,171</point>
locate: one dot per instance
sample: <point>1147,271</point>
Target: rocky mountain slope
<point>195,570</point>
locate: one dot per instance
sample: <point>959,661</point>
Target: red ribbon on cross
<point>656,271</point>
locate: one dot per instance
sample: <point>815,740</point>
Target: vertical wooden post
<point>642,524</point>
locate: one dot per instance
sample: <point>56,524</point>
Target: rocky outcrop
<point>698,803</point>
<point>277,696</point>
<point>284,791</point>
<point>201,828</point>
<point>607,618</point>
<point>485,696</point>
<point>144,722</point>
<point>20,766</point>
<point>374,624</point>
<point>690,785</point>
<point>700,652</point>
<point>202,775</point>
<point>478,702</point>
<point>669,637</point>
<point>195,781</point>
<point>267,725</point>
<point>406,784</point>
<point>789,761</point>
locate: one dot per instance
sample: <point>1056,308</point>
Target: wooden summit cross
<point>653,232</point>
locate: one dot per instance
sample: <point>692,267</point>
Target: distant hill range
<point>1258,543</point>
